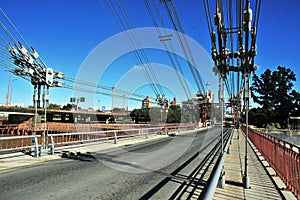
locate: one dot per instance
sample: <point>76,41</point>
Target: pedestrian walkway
<point>12,161</point>
<point>261,184</point>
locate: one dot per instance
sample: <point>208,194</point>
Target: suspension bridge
<point>90,154</point>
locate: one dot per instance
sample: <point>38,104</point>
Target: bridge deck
<point>261,185</point>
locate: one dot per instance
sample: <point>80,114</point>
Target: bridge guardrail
<point>282,156</point>
<point>106,136</point>
<point>20,142</point>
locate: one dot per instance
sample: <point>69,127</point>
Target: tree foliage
<point>157,115</point>
<point>54,106</point>
<point>174,114</point>
<point>274,92</point>
<point>69,106</point>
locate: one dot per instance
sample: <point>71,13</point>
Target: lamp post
<point>77,100</point>
<point>112,98</point>
<point>8,90</point>
<point>10,101</point>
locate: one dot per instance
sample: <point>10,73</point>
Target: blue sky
<point>64,32</point>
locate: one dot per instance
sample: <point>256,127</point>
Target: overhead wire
<point>136,53</point>
<point>87,83</point>
<point>177,63</point>
<point>29,48</point>
<point>183,46</point>
<point>98,92</point>
<point>174,61</point>
<point>199,78</point>
<point>153,75</point>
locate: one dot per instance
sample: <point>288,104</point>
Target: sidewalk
<point>9,162</point>
<point>12,161</point>
<point>261,184</point>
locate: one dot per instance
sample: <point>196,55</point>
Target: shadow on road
<point>87,157</point>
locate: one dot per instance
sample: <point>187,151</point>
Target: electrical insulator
<point>59,75</point>
<point>13,51</point>
<point>30,60</point>
<point>214,53</point>
<point>22,49</point>
<point>254,50</point>
<point>34,54</point>
<point>247,17</point>
<point>217,19</point>
<point>254,32</point>
<point>49,76</point>
<point>213,37</point>
<point>30,71</point>
<point>58,83</point>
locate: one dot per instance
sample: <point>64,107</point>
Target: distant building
<point>19,105</point>
<point>147,103</point>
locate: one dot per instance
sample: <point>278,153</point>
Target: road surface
<point>158,170</point>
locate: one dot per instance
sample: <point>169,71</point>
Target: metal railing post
<point>115,137</point>
<point>52,145</point>
<point>36,147</point>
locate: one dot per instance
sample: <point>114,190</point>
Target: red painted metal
<point>203,116</point>
<point>283,157</point>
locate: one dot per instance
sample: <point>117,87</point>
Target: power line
<point>175,63</point>
<point>121,15</point>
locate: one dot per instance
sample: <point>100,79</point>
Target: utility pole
<point>247,16</point>
<point>35,99</point>
<point>112,98</point>
<point>221,97</point>
<point>10,100</point>
<point>8,91</point>
<point>246,99</point>
<point>124,102</point>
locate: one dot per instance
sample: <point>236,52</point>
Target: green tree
<point>54,106</point>
<point>174,114</point>
<point>260,117</point>
<point>296,97</point>
<point>140,115</point>
<point>273,91</point>
<point>69,106</point>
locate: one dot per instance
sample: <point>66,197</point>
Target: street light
<point>77,100</point>
<point>112,98</point>
<point>11,91</point>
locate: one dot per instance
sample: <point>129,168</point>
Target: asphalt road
<point>154,170</point>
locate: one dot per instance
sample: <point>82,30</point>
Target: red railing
<point>283,157</point>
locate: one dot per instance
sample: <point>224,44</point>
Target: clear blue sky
<point>64,32</point>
